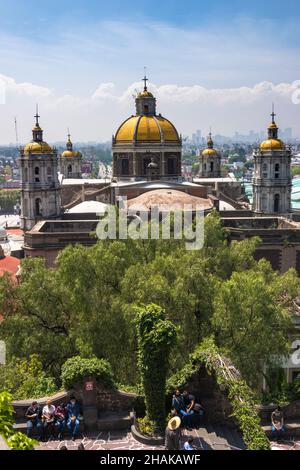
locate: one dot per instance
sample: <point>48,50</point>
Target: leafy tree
<point>26,378</point>
<point>250,318</point>
<point>156,335</point>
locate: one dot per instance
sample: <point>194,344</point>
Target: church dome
<point>209,152</point>
<point>70,154</point>
<point>146,129</point>
<point>272,144</point>
<point>38,147</point>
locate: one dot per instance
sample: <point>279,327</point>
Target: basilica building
<point>146,145</point>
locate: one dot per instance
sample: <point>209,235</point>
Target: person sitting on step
<point>73,413</point>
<point>277,423</point>
<point>192,405</point>
<point>179,405</point>
<point>60,419</point>
<point>33,416</point>
<point>48,418</point>
<point>189,444</point>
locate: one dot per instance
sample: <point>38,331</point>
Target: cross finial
<point>69,135</point>
<point>273,114</point>
<point>145,80</point>
<point>37,115</point>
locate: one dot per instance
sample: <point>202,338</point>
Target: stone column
<point>89,404</point>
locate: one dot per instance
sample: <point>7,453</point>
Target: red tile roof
<point>14,231</point>
<point>9,264</point>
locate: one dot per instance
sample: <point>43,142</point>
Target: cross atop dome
<point>37,116</point>
<point>273,114</point>
<point>145,80</point>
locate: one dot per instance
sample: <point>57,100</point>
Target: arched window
<point>69,169</point>
<point>276,202</point>
<point>277,168</point>
<point>265,170</point>
<point>211,166</point>
<point>38,207</point>
<point>26,174</point>
<point>146,109</point>
<point>37,173</point>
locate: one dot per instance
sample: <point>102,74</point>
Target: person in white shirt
<point>48,417</point>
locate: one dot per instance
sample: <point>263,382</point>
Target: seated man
<point>179,405</point>
<point>73,413</point>
<point>60,419</point>
<point>191,405</point>
<point>277,422</point>
<point>48,417</point>
<point>33,416</point>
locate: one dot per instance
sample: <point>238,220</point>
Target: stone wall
<point>290,411</point>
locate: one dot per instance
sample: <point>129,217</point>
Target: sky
<point>210,64</point>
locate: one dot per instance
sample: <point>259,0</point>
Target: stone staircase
<point>216,437</point>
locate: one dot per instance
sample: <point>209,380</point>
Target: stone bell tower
<point>40,188</point>
<point>272,182</point>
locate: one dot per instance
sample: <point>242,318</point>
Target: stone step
<point>109,421</point>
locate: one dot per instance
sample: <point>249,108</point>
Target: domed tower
<point>40,189</point>
<point>146,139</point>
<point>210,161</point>
<point>70,161</point>
<point>272,180</point>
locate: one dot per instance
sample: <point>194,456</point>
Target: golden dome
<point>70,154</point>
<point>38,147</point>
<point>272,126</point>
<point>207,152</point>
<point>144,94</point>
<point>272,144</point>
<point>146,129</point>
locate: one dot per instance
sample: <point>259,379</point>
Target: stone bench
<point>292,426</point>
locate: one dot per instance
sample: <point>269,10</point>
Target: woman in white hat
<point>173,433</point>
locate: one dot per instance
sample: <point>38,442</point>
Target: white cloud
<point>96,116</point>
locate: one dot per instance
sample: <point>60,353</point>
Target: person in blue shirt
<point>179,405</point>
<point>73,413</point>
<point>188,445</point>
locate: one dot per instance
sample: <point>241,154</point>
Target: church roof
<point>147,129</point>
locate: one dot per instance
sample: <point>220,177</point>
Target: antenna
<point>16,132</point>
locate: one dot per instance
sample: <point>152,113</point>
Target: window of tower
<point>211,166</point>
<point>146,109</point>
<point>69,169</point>
<point>204,166</point>
<point>265,170</point>
<point>26,174</point>
<point>38,207</point>
<point>277,170</point>
<point>49,175</point>
<point>276,202</point>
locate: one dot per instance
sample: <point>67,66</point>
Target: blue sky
<point>67,52</point>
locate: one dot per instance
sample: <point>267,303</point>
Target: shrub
<point>156,335</point>
<point>76,368</point>
<point>16,441</point>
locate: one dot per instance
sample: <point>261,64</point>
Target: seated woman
<point>60,419</point>
<point>277,423</point>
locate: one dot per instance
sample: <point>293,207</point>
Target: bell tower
<point>272,182</point>
<point>40,189</point>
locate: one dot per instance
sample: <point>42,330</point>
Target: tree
<point>251,321</point>
<point>156,335</point>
